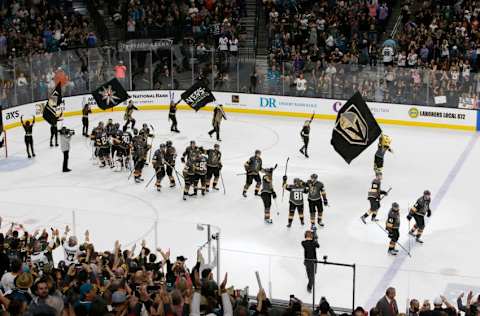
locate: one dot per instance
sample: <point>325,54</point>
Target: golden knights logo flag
<point>198,95</point>
<point>50,109</point>
<point>355,128</point>
<point>110,94</point>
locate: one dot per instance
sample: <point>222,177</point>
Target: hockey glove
<point>284,179</point>
<point>182,159</point>
<point>409,216</point>
<point>325,202</point>
<point>274,195</point>
<point>429,213</point>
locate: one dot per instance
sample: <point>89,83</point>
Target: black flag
<point>50,108</point>
<point>198,95</point>
<point>110,94</point>
<point>49,114</point>
<point>55,98</point>
<point>355,128</point>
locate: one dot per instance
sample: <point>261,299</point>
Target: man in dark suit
<point>387,305</point>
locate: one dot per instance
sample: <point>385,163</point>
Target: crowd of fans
<point>433,54</point>
<point>141,282</point>
<point>39,26</point>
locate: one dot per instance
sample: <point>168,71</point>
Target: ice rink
<point>36,193</point>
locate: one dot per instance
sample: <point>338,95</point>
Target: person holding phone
<point>310,245</point>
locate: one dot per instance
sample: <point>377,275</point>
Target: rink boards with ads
<point>326,109</point>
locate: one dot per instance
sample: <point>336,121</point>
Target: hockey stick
<point>154,175</point>
<point>283,187</point>
<point>401,246</point>
<point>223,183</point>
<point>134,167</point>
<point>177,174</point>
<point>276,206</point>
<point>388,191</point>
<point>241,174</point>
<point>151,144</point>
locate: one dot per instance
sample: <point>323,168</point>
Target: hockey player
<point>297,189</point>
<point>103,143</point>
<point>188,176</point>
<point>128,117</point>
<point>172,116</point>
<point>170,156</point>
<point>85,111</point>
<point>110,127</point>
<point>140,150</point>
<point>253,167</point>
<point>96,132</point>
<point>218,115</point>
<point>305,134</point>
<point>375,195</point>
<point>214,166</point>
<point>418,212</point>
<point>146,131</point>
<point>316,193</point>
<point>54,130</point>
<point>158,163</point>
<point>28,127</point>
<point>393,228</point>
<point>189,152</point>
<point>114,133</point>
<point>200,170</point>
<point>267,193</point>
<point>124,148</point>
<point>383,146</point>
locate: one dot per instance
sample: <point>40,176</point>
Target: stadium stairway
<point>247,40</point>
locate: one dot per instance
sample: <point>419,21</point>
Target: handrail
<point>396,26</point>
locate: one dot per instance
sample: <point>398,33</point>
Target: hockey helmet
<point>314,176</point>
<point>117,125</point>
<point>135,131</point>
<point>378,174</point>
<point>192,143</point>
<point>427,194</point>
<point>168,143</point>
<point>144,125</point>
<point>216,146</point>
<point>257,152</point>
<point>395,206</point>
<point>141,132</point>
<point>297,181</point>
<point>110,121</point>
<point>162,145</point>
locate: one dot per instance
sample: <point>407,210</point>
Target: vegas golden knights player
<point>253,167</point>
<point>375,194</point>
<point>140,150</point>
<point>158,163</point>
<point>383,146</point>
<point>305,134</point>
<point>418,212</point>
<point>102,142</point>
<point>393,228</point>
<point>316,193</point>
<point>170,156</point>
<point>267,193</point>
<point>214,166</point>
<point>172,116</point>
<point>189,152</point>
<point>188,175</point>
<point>218,115</point>
<point>200,170</point>
<point>128,116</point>
<point>297,189</point>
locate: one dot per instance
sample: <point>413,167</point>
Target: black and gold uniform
<point>200,170</point>
<point>189,152</point>
<point>146,131</point>
<point>218,115</point>
<point>97,131</point>
<point>375,195</point>
<point>305,134</point>
<point>28,127</point>
<point>267,193</point>
<point>140,150</point>
<point>214,166</point>
<point>383,146</point>
<point>124,147</point>
<point>85,111</point>
<point>297,189</point>
<point>418,212</point>
<point>102,141</point>
<point>393,228</point>
<point>316,193</point>
<point>172,116</point>
<point>188,176</point>
<point>158,163</point>
<point>128,116</point>
<point>170,156</point>
<point>253,167</point>
<point>54,130</point>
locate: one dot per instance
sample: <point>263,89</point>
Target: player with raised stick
<point>218,115</point>
<point>253,167</point>
<point>305,134</point>
<point>375,195</point>
<point>393,228</point>
<point>267,193</point>
<point>418,212</point>
<point>297,189</point>
<point>316,193</point>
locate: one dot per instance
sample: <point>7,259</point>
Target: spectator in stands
<point>121,73</point>
<point>301,85</point>
<point>414,308</point>
<point>387,305</point>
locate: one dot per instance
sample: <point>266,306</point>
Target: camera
<point>66,131</point>
<point>314,231</point>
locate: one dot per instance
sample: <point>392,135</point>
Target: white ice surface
<point>36,193</point>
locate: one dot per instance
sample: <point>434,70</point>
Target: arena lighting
<point>208,243</point>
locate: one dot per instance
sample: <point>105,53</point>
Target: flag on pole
<point>50,109</point>
<point>198,95</point>
<point>355,128</point>
<point>110,94</point>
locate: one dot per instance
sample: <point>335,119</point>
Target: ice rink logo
<point>268,102</point>
<point>413,112</point>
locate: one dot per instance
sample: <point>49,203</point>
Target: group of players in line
<point>115,146</point>
<point>418,211</point>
